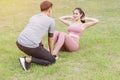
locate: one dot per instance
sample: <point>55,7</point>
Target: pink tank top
<point>76,29</point>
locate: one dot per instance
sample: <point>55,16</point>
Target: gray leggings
<point>39,54</point>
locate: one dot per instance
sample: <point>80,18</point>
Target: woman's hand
<point>71,17</point>
<point>65,21</point>
<point>84,18</point>
<point>91,19</point>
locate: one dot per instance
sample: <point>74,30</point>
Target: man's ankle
<point>28,59</point>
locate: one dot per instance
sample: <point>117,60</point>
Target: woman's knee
<point>56,33</point>
<point>63,34</point>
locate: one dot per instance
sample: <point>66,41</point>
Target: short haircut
<point>45,5</point>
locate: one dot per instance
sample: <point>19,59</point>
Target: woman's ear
<point>82,17</point>
<point>81,14</point>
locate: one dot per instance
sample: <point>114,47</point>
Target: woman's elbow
<point>60,18</point>
<point>96,21</point>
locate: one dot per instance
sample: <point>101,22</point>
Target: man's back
<point>38,25</point>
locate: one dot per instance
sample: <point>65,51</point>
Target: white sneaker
<point>56,57</point>
<point>22,62</point>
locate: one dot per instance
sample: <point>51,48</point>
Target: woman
<point>30,39</point>
<point>70,41</point>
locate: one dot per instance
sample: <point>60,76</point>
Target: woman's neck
<point>78,21</point>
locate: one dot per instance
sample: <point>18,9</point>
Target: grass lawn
<point>97,59</point>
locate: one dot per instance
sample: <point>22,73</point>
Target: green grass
<point>97,59</point>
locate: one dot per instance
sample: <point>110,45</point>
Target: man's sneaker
<point>56,57</point>
<point>24,64</point>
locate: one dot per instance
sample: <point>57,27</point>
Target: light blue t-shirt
<point>37,27</point>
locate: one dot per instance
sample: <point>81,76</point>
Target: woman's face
<point>76,15</point>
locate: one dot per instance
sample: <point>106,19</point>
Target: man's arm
<point>50,36</point>
<point>50,42</point>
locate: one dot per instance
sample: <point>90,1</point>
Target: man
<point>30,39</point>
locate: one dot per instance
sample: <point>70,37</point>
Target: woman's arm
<point>92,21</point>
<point>65,21</point>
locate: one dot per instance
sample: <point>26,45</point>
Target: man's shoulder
<point>43,17</point>
<point>52,19</point>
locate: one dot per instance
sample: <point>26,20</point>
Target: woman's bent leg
<point>55,37</point>
<point>59,42</point>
